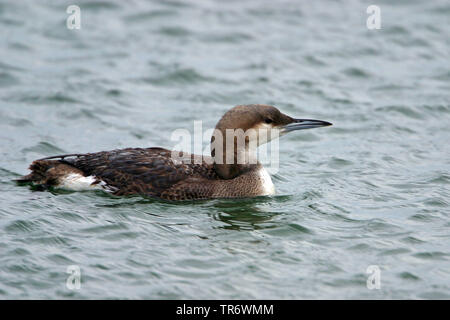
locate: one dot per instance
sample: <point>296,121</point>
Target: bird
<point>161,173</point>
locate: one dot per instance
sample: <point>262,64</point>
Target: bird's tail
<point>47,172</point>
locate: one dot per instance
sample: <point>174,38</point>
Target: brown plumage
<point>153,172</point>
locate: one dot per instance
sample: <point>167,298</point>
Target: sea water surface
<point>373,190</point>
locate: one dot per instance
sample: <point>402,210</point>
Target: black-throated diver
<point>153,172</point>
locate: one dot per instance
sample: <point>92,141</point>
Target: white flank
<point>77,182</point>
<point>266,182</point>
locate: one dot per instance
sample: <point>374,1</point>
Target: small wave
<point>43,148</point>
<point>54,99</point>
<point>357,73</point>
<point>408,111</point>
<point>148,15</point>
<point>174,31</point>
<point>182,76</point>
<point>7,80</point>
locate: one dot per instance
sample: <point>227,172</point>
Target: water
<point>371,190</point>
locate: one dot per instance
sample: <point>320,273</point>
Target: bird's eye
<point>267,120</point>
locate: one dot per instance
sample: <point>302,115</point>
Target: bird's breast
<point>266,182</point>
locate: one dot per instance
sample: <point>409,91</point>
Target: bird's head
<point>246,127</point>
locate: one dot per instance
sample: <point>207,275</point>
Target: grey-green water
<point>371,190</point>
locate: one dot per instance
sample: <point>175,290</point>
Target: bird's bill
<point>300,124</point>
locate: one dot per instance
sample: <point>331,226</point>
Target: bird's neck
<point>233,159</point>
<point>233,170</point>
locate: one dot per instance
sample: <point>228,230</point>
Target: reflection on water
<point>247,214</point>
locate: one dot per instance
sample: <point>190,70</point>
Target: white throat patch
<point>266,182</point>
